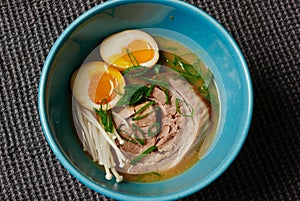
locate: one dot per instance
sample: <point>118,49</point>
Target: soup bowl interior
<point>176,20</point>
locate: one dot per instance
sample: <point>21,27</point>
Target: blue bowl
<point>186,23</point>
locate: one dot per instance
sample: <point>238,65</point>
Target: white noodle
<point>85,132</point>
<point>92,119</point>
<point>78,116</point>
<point>99,142</point>
<point>119,178</point>
<point>108,175</point>
<point>98,145</point>
<point>121,141</point>
<point>92,145</point>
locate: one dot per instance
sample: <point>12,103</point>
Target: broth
<point>173,57</point>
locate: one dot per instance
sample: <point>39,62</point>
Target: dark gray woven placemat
<point>268,166</point>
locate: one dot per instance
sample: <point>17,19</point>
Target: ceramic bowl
<point>189,25</point>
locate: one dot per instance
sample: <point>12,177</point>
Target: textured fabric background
<point>268,166</point>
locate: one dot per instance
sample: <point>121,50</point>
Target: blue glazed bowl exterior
<point>191,26</point>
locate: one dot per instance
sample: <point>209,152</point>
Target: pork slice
<point>131,147</point>
<point>179,134</point>
<point>135,131</point>
<point>159,95</point>
<point>171,108</point>
<point>122,118</point>
<point>170,127</point>
<point>165,135</point>
<point>149,119</point>
<point>127,112</point>
<point>143,124</point>
<point>136,148</point>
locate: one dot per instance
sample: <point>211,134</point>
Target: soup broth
<point>140,135</point>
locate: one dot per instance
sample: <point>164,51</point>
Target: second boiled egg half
<point>95,82</point>
<point>129,48</point>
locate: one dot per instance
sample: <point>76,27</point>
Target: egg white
<point>114,44</point>
<point>81,80</point>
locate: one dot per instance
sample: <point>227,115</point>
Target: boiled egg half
<point>96,83</point>
<point>129,48</point>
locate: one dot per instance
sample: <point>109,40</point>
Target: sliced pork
<point>182,119</point>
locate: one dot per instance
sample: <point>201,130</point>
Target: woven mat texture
<point>268,166</point>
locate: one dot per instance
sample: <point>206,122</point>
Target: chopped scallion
<point>142,155</point>
<point>137,115</point>
<point>135,71</point>
<point>150,90</point>
<point>139,134</point>
<point>167,94</point>
<point>157,82</point>
<point>134,93</point>
<point>157,68</point>
<point>177,105</point>
<point>105,116</point>
<point>156,126</point>
<point>132,57</point>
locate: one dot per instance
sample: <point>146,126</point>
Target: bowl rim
<point>60,154</point>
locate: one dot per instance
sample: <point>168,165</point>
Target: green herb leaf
<point>208,78</point>
<point>139,95</point>
<point>156,126</point>
<point>190,69</point>
<point>140,141</point>
<point>135,94</point>
<point>132,58</point>
<point>192,75</point>
<point>167,94</point>
<point>134,140</point>
<point>162,82</point>
<point>205,93</point>
<point>150,90</point>
<point>185,69</point>
<point>142,155</point>
<point>139,134</point>
<point>136,116</point>
<point>131,90</point>
<point>135,71</point>
<point>156,68</point>
<point>118,92</point>
<point>177,105</point>
<point>105,116</point>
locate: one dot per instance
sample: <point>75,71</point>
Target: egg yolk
<point>137,52</point>
<point>102,87</point>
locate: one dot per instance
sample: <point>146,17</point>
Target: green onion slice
<point>135,71</point>
<point>136,130</point>
<point>156,81</point>
<point>157,68</point>
<point>137,115</point>
<point>142,155</point>
<point>134,93</point>
<point>150,90</point>
<point>132,58</point>
<point>105,116</point>
<point>178,102</point>
<point>156,126</point>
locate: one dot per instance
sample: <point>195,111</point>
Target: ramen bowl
<point>181,22</point>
